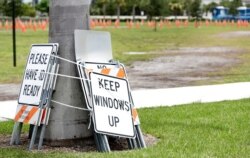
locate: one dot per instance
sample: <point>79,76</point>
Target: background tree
<point>28,10</point>
<point>187,7</point>
<point>119,4</point>
<point>176,7</point>
<point>1,7</point>
<point>233,6</point>
<point>43,6</point>
<point>195,9</point>
<point>103,4</point>
<point>225,3</point>
<point>153,9</point>
<point>134,4</point>
<point>7,7</point>
<point>209,7</point>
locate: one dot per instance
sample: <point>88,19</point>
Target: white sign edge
<point>107,133</point>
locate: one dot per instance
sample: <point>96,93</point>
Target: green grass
<point>8,73</point>
<point>139,40</point>
<point>197,130</point>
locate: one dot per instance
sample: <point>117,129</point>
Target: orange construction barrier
<point>127,23</point>
<point>207,23</point>
<point>185,23</point>
<point>142,22</point>
<point>224,23</point>
<point>151,24</point>
<point>21,25</point>
<point>6,25</point>
<point>92,24</point>
<point>44,25</point>
<point>196,24</point>
<point>161,23</point>
<point>137,25</point>
<point>177,23</point>
<point>104,24</point>
<point>34,26</point>
<point>238,23</point>
<point>131,23</point>
<point>247,23</point>
<point>109,23</point>
<point>232,23</point>
<point>30,24</point>
<point>117,23</point>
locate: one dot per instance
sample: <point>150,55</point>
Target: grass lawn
<point>197,130</point>
<point>138,40</point>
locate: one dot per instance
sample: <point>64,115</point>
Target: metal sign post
<point>115,69</point>
<point>36,91</point>
<point>93,53</point>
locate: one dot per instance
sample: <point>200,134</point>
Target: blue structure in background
<point>243,13</point>
<point>222,13</point>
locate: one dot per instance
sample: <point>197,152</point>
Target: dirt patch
<point>174,68</point>
<point>182,67</point>
<point>9,91</point>
<point>87,146</point>
<point>235,34</point>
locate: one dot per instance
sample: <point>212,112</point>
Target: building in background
<point>246,2</point>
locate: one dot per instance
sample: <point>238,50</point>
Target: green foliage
<point>43,6</point>
<point>196,130</point>
<point>209,7</point>
<point>28,10</point>
<point>176,7</point>
<point>6,7</point>
<point>138,40</point>
<point>225,3</point>
<point>195,8</point>
<point>234,5</point>
<point>154,8</point>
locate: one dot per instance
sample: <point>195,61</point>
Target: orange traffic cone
<point>245,23</point>
<point>34,26</point>
<point>117,23</point>
<point>104,24</point>
<point>22,26</point>
<point>6,25</point>
<point>207,23</point>
<point>195,24</point>
<point>137,25</point>
<point>186,23</point>
<point>44,25</point>
<point>131,24</point>
<point>161,23</point>
<point>142,22</point>
<point>238,24</point>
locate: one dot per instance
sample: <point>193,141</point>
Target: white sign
<point>93,46</point>
<point>84,73</point>
<point>111,106</point>
<point>35,74</point>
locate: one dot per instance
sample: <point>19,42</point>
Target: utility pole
<point>14,31</point>
<point>67,123</point>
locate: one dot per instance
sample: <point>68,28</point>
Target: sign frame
<point>82,73</point>
<point>54,48</point>
<point>130,107</point>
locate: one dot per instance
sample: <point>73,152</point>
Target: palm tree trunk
<point>104,11</point>
<point>67,123</point>
<point>118,11</point>
<point>133,12</point>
